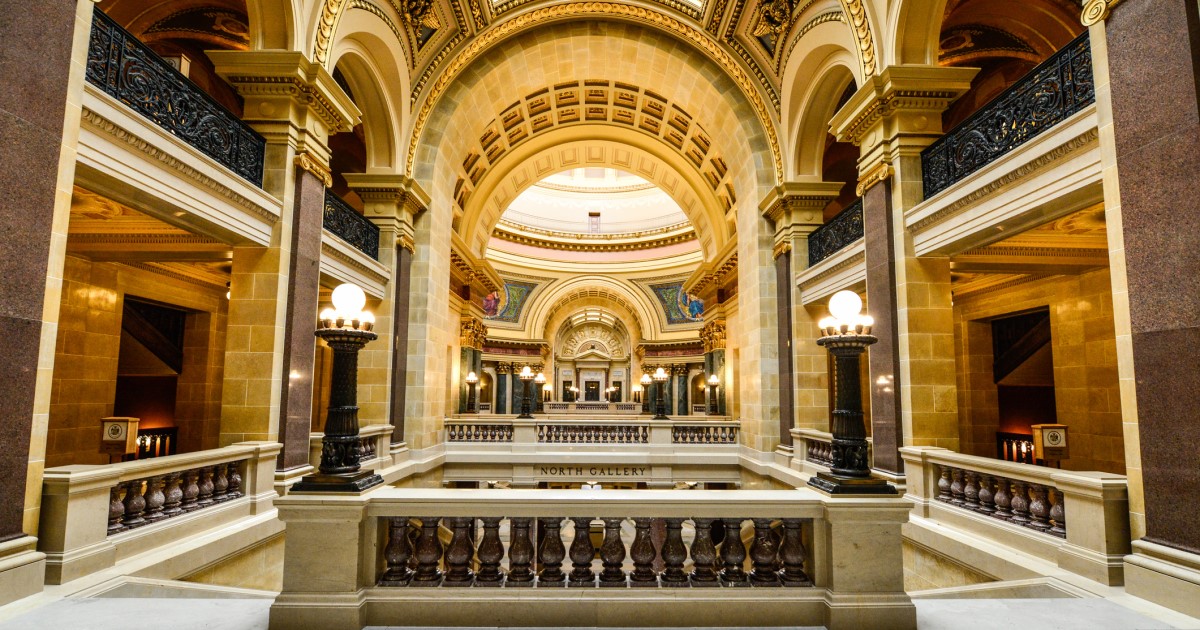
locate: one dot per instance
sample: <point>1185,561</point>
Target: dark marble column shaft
<point>35,60</point>
<point>787,393</point>
<point>1154,60</point>
<point>887,429</point>
<point>299,350</point>
<point>400,313</point>
<point>501,393</point>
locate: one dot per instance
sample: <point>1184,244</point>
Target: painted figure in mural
<point>491,304</point>
<point>692,306</point>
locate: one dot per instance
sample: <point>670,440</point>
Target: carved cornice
<point>308,162</point>
<point>713,335</point>
<point>878,174</point>
<point>485,40</point>
<point>175,275</point>
<point>1043,161</point>
<point>1096,11</point>
<point>125,238</point>
<point>593,246</point>
<point>718,275</point>
<point>969,292</point>
<point>305,94</point>
<point>472,333</point>
<point>131,139</point>
<point>469,274</point>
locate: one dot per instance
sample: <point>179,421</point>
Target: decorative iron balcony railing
<point>129,71</point>
<point>350,226</point>
<point>1052,92</point>
<point>839,232</point>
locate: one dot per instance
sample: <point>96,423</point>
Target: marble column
<point>39,117</point>
<point>892,117</point>
<point>796,209</point>
<point>681,389</point>
<point>295,104</point>
<point>1153,64</point>
<point>502,376</point>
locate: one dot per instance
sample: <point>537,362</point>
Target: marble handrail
<point>1027,507</point>
<point>94,515</point>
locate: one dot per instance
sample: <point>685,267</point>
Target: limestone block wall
<point>1083,343</point>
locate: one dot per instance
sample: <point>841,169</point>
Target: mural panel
<point>680,307</point>
<point>506,305</point>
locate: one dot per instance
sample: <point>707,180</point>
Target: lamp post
<point>714,385</point>
<point>574,393</point>
<point>846,335</point>
<point>637,393</point>
<point>660,381</point>
<point>547,392</point>
<point>646,399</point>
<point>346,328</point>
<point>540,380</point>
<point>471,379</point>
<point>526,375</point>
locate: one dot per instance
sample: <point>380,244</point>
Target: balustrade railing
<point>837,233</point>
<point>617,432</point>
<point>704,433</point>
<point>1055,90</point>
<point>93,516</point>
<point>814,449</point>
<point>1026,507</point>
<point>344,222</point>
<point>126,69</point>
<point>478,432</point>
<point>593,434</point>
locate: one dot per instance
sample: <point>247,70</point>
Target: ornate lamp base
<point>837,484</point>
<point>345,482</point>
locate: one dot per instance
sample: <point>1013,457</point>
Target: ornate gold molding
<point>878,174</point>
<point>540,16</point>
<point>713,335</point>
<point>780,249</point>
<point>472,333</point>
<point>308,162</point>
<point>1096,11</point>
<point>407,242</point>
<point>331,12</point>
<point>592,246</point>
<point>856,13</point>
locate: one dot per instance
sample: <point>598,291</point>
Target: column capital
<point>1096,11</point>
<point>391,201</point>
<point>713,335</point>
<point>472,333</point>
<point>288,98</point>
<point>797,208</point>
<point>897,112</point>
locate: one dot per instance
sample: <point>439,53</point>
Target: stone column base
<point>22,569</point>
<point>1164,575</point>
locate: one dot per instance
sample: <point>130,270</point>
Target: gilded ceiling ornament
<point>420,13</point>
<point>774,17</point>
<point>1096,11</point>
<point>580,9</point>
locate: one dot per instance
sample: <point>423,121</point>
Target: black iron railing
<point>839,232</point>
<point>1051,93</point>
<point>350,226</point>
<point>127,70</point>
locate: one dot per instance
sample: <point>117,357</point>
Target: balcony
<point>1053,92</point>
<point>840,231</point>
<point>347,224</point>
<point>126,69</point>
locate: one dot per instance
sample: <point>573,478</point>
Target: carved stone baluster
<point>459,553</point>
<point>1039,508</point>
<point>957,496</point>
<point>733,554</point>
<point>971,490</point>
<point>551,552</point>
<point>204,499</point>
<point>154,500</point>
<point>612,554</point>
<point>642,552</point>
<point>704,555</point>
<point>944,484</point>
<point>220,483</point>
<point>490,553</point>
<point>1019,504</point>
<point>428,553</point>
<point>520,553</point>
<point>191,490</point>
<point>396,554</point>
<point>116,509</point>
<point>1058,514</point>
<point>987,503</point>
<point>582,553</point>
<point>1003,499</point>
<point>764,552</point>
<point>235,480</point>
<point>791,552</point>
<point>135,503</point>
<point>674,553</point>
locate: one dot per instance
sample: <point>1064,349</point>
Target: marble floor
<point>192,613</point>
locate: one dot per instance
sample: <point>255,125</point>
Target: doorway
<point>591,391</point>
